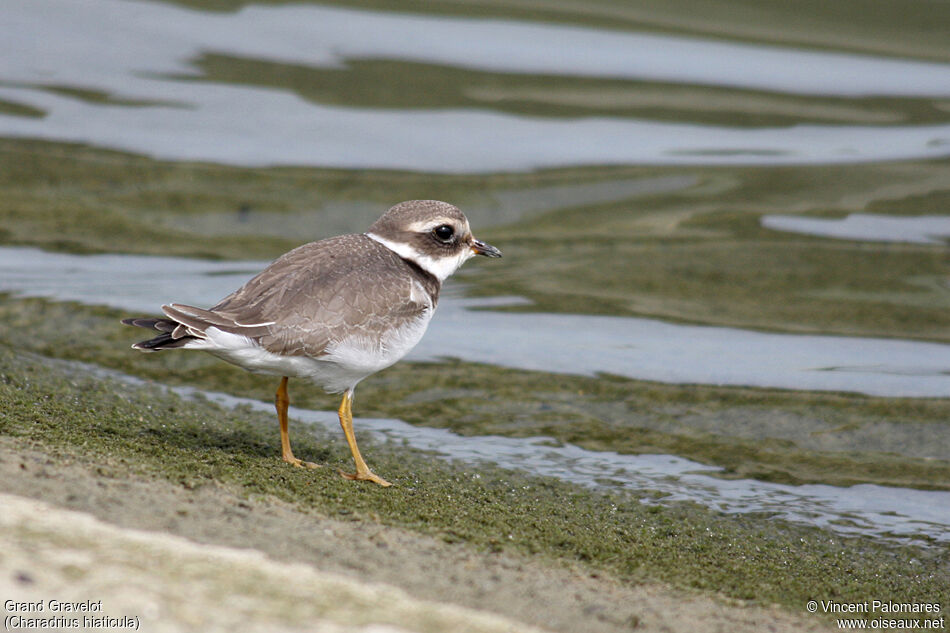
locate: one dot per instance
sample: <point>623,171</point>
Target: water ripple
<point>154,102</point>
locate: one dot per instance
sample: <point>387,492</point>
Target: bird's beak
<point>481,248</point>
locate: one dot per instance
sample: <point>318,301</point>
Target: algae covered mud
<point>724,300</point>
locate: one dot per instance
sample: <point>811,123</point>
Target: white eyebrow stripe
<point>422,226</point>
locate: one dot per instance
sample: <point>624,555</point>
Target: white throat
<point>439,267</point>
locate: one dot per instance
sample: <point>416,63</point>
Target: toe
<point>299,463</point>
<point>367,476</point>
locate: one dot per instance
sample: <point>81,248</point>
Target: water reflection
<point>561,343</point>
<point>121,75</point>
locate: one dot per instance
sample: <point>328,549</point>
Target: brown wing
<point>313,294</point>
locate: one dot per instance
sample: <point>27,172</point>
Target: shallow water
<point>562,343</point>
<point>925,229</point>
<point>144,92</point>
<point>498,99</point>
<point>863,509</point>
<point>908,515</point>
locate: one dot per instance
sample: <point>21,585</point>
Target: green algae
<point>397,84</point>
<point>701,255</point>
<point>692,253</point>
<point>151,432</point>
<point>695,252</point>
<point>19,109</point>
<point>774,435</point>
<point>683,244</point>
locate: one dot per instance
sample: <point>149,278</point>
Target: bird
<point>334,311</point>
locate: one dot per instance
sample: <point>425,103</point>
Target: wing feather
<point>316,294</point>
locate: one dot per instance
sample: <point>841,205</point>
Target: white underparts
<point>345,362</point>
<point>247,353</point>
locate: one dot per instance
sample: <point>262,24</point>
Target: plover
<point>333,311</point>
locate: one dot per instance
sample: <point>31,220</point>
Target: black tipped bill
<point>481,248</point>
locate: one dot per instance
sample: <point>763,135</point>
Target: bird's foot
<point>299,463</point>
<point>366,476</point>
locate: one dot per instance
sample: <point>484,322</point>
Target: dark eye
<point>444,232</point>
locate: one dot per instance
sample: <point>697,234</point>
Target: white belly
<point>343,365</point>
<point>359,356</point>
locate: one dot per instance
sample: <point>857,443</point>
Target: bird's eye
<point>444,232</point>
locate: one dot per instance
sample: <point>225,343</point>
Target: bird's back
<point>318,293</point>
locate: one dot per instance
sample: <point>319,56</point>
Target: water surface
<point>496,100</point>
<point>562,343</point>
<point>123,75</point>
<point>924,229</point>
<point>907,515</point>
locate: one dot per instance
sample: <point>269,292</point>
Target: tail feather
<point>171,336</point>
<point>161,325</point>
<point>193,317</point>
<point>163,341</point>
<point>183,324</point>
<point>197,320</point>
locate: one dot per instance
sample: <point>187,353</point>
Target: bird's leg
<point>282,401</point>
<point>346,421</point>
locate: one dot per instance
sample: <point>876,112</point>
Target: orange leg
<point>363,472</point>
<point>282,401</point>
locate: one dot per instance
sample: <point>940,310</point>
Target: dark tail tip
<point>165,340</point>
